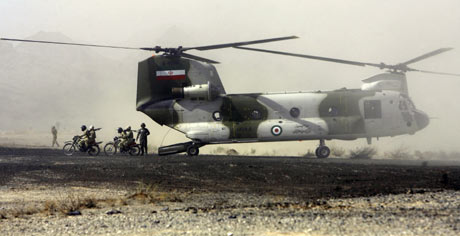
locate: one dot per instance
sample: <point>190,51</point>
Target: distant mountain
<point>41,84</point>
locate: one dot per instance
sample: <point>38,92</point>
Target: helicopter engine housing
<point>386,81</point>
<point>393,85</point>
<point>200,92</point>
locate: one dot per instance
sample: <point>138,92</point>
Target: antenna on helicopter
<point>397,68</point>
<point>175,52</point>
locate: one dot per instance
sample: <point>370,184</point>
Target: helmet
<point>83,127</point>
<point>91,127</point>
<point>143,125</point>
<point>128,128</point>
<point>120,129</point>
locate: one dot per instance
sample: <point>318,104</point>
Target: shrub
<point>232,152</point>
<point>219,150</point>
<point>337,151</point>
<point>363,153</point>
<point>147,193</point>
<point>399,153</point>
<point>309,153</point>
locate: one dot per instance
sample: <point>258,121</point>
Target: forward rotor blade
<point>198,58</point>
<point>426,55</point>
<point>228,45</point>
<point>434,72</point>
<point>355,63</point>
<point>72,44</point>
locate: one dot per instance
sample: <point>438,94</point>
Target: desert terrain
<point>44,192</point>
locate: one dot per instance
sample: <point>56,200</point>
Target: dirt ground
<point>200,183</point>
<point>291,176</point>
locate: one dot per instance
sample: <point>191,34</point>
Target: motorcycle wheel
<point>134,151</point>
<point>69,149</point>
<point>110,149</point>
<point>94,150</point>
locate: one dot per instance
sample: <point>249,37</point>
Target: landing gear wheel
<point>322,152</point>
<point>193,150</point>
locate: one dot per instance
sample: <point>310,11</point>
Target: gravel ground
<point>403,214</point>
<point>224,196</point>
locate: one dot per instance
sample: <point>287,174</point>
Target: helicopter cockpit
<point>410,112</point>
<point>406,104</point>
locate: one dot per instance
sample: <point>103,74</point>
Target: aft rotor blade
<point>434,72</point>
<point>228,45</point>
<point>183,54</point>
<point>426,55</point>
<point>355,63</point>
<point>72,44</point>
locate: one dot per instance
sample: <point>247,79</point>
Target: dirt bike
<point>74,146</point>
<point>111,148</point>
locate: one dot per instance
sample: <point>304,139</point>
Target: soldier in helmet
<point>142,133</point>
<point>127,137</point>
<point>121,136</point>
<point>84,137</point>
<point>120,132</point>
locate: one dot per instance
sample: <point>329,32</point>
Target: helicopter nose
<point>422,119</point>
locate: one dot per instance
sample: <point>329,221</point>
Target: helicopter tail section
<point>161,80</point>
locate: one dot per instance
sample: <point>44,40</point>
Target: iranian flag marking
<point>170,74</point>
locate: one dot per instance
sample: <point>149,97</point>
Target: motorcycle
<point>73,146</point>
<point>111,148</point>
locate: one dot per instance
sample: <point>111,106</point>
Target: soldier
<point>120,132</point>
<point>127,137</point>
<point>84,137</point>
<point>54,132</point>
<point>142,133</point>
<point>122,137</point>
<point>91,136</point>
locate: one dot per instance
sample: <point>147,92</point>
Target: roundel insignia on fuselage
<point>277,130</point>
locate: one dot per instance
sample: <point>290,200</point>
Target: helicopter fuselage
<point>341,114</point>
<point>188,96</point>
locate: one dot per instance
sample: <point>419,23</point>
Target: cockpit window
<point>405,103</point>
<point>402,105</point>
<point>410,104</point>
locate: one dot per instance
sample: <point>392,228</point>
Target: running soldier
<point>54,132</point>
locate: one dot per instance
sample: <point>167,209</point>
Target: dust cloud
<point>45,85</point>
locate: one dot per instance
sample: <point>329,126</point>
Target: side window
<point>256,115</point>
<point>333,111</point>
<point>216,116</point>
<point>295,112</point>
<point>372,109</point>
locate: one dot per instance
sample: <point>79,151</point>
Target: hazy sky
<point>364,30</point>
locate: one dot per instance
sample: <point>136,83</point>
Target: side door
<point>373,117</point>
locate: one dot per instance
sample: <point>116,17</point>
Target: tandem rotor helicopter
<point>185,93</point>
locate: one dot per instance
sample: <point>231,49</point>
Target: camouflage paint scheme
<point>225,118</point>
